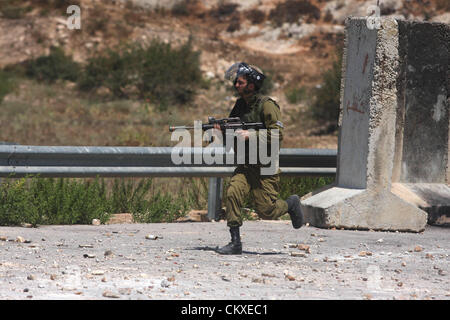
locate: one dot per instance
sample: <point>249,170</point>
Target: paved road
<point>125,261</point>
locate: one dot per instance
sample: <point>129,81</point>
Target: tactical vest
<point>256,113</point>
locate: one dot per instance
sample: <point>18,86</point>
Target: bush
<point>57,4</point>
<point>126,196</point>
<point>196,192</point>
<point>157,71</point>
<point>302,186</point>
<point>52,201</point>
<point>325,107</point>
<point>112,69</point>
<point>160,208</point>
<point>181,8</point>
<point>223,10</point>
<point>290,11</point>
<point>295,95</point>
<point>6,84</point>
<point>53,67</point>
<point>47,201</point>
<point>145,205</point>
<point>256,16</point>
<point>168,75</point>
<point>443,5</point>
<point>13,9</point>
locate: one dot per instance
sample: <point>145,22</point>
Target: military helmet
<point>252,73</point>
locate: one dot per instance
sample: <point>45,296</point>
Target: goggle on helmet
<point>252,73</point>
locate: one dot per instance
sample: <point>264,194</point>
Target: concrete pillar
<point>421,163</point>
<point>361,197</point>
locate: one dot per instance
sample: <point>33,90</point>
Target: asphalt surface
<point>177,261</point>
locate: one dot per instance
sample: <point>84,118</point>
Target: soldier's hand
<point>217,130</point>
<point>217,133</point>
<point>242,134</point>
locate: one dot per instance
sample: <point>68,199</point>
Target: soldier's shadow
<point>244,252</point>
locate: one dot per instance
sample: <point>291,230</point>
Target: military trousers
<point>264,192</point>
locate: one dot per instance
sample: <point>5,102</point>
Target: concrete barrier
<point>380,169</point>
<point>421,168</point>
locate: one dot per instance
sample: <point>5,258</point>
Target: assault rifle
<point>224,123</point>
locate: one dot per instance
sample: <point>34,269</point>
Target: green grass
<point>52,201</point>
<point>46,201</point>
<point>49,201</point>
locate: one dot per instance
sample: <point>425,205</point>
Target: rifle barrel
<point>173,128</point>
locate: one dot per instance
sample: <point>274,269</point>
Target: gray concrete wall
<point>382,107</point>
<point>368,105</point>
<point>421,170</point>
<point>362,197</point>
<point>357,78</point>
<point>423,103</point>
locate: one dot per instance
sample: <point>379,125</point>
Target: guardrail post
<point>214,197</point>
<point>6,143</point>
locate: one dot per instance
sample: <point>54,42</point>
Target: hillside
<point>294,41</point>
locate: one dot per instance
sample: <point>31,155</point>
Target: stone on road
<point>278,262</point>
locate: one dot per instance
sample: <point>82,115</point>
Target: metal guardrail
<point>76,162</point>
<point>140,161</point>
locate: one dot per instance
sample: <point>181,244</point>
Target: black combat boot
<point>295,211</point>
<point>235,246</point>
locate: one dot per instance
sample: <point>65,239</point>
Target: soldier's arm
<point>235,112</point>
<point>272,120</point>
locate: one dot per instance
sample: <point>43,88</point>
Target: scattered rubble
<point>285,264</point>
<point>152,237</point>
<point>110,294</point>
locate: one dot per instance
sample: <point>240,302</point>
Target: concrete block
<point>362,197</point>
<point>433,198</point>
<point>421,161</point>
<point>362,209</point>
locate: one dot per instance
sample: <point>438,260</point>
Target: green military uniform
<point>247,177</point>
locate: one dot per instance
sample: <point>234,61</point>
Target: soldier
<point>255,107</point>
